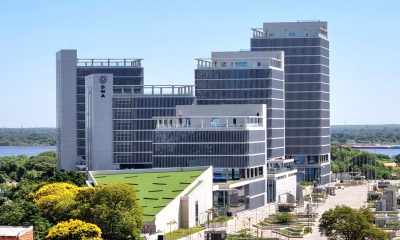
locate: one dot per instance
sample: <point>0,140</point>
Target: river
<point>388,151</point>
<point>24,150</point>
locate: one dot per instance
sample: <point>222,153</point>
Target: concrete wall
<point>66,61</point>
<point>23,234</point>
<point>99,121</point>
<point>172,212</point>
<point>284,186</point>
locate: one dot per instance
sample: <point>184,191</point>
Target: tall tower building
<point>307,109</point>
<point>70,74</point>
<point>104,112</point>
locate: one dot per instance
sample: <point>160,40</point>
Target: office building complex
<point>307,110</point>
<point>260,118</point>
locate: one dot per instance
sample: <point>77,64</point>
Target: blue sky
<point>169,35</point>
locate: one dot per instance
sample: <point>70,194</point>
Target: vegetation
<point>161,188</point>
<point>346,159</point>
<point>382,134</point>
<point>34,195</point>
<point>307,230</point>
<point>221,219</point>
<point>74,230</point>
<point>284,218</point>
<point>114,208</point>
<point>343,222</point>
<point>182,232</point>
<point>28,136</point>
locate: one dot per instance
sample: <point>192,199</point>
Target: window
<point>196,212</point>
<point>186,122</point>
<point>215,122</point>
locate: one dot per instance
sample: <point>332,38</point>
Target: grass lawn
<point>153,190</point>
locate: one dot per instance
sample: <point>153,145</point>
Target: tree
<point>343,222</point>
<point>397,158</point>
<point>16,213</point>
<point>74,230</point>
<point>56,200</point>
<point>11,213</point>
<point>76,178</point>
<point>44,164</point>
<point>22,189</point>
<point>113,208</point>
<point>3,178</point>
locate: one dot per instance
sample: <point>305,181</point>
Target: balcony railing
<point>129,62</point>
<point>209,122</point>
<point>181,90</point>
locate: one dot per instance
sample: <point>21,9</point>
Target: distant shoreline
<point>369,146</point>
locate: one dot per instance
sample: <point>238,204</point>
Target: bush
<point>307,230</point>
<point>284,218</point>
<point>74,230</point>
<point>182,232</point>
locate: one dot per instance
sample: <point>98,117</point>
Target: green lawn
<point>153,190</point>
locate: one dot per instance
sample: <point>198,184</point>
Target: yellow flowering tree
<point>56,200</point>
<point>74,230</point>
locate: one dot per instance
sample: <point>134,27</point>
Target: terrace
<point>209,122</point>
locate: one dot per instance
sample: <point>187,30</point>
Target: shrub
<point>284,218</point>
<point>307,230</point>
<point>74,230</point>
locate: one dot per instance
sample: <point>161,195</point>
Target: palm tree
<point>170,223</point>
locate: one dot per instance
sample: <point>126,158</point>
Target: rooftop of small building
<point>154,189</point>
<point>14,231</point>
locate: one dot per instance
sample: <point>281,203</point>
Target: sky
<point>364,47</point>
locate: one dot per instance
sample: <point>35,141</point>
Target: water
<point>388,151</point>
<point>24,150</point>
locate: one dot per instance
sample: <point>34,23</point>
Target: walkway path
<point>355,197</point>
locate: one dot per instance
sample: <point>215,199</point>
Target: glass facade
<point>221,148</point>
<point>307,91</point>
<point>134,125</point>
<point>126,75</point>
<point>248,86</point>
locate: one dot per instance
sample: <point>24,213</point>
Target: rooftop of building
<point>243,59</point>
<point>14,231</point>
<point>155,189</point>
<point>109,62</point>
<point>292,29</point>
<point>154,90</point>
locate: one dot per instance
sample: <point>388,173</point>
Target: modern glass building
<point>246,77</point>
<point>231,138</point>
<point>71,73</point>
<point>307,111</point>
<point>132,107</point>
<point>133,122</point>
